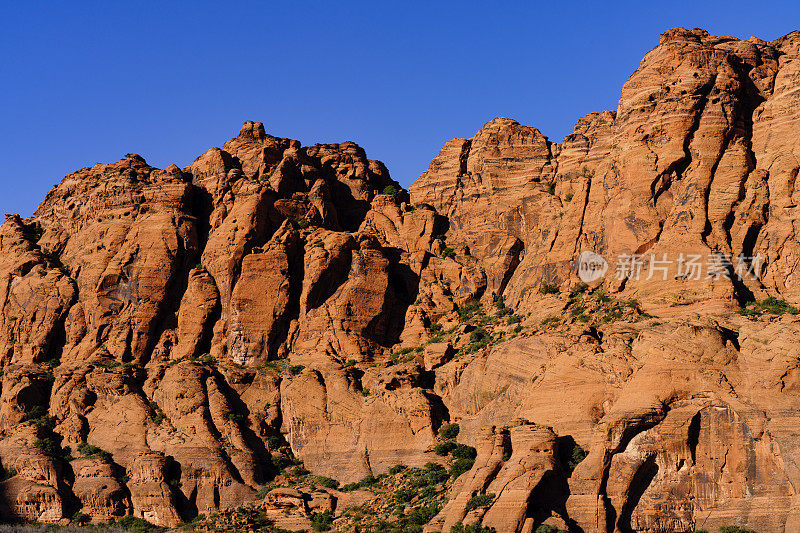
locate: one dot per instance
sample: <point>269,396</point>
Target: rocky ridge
<point>174,341</point>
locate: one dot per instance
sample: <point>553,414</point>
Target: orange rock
<point>192,323</point>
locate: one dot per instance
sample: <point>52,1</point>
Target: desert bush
<point>326,482</point>
<point>322,521</point>
<point>548,288</point>
<point>460,466</point>
<point>449,431</point>
<point>445,448</point>
<point>768,306</point>
<point>462,451</point>
<point>472,528</point>
<point>480,500</point>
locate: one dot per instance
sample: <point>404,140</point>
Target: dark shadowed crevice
<point>401,292</point>
<point>333,276</point>
<point>166,316</point>
<point>693,437</point>
<point>264,470</point>
<point>641,480</point>
<point>638,426</point>
<point>547,497</point>
<point>513,256</point>
<point>463,157</point>
<point>201,206</point>
<point>186,507</point>
<point>750,239</point>
<point>279,332</point>
<point>741,292</point>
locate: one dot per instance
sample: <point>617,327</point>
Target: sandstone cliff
<point>173,341</point>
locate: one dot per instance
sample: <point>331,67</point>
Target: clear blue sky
<point>86,82</point>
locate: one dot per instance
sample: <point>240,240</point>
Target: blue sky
<point>87,82</point>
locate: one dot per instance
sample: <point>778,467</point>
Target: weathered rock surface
<point>169,338</point>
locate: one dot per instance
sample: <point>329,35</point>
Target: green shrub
<point>480,500</point>
<point>432,474</point>
<point>80,518</point>
<point>301,222</point>
<point>280,461</point>
<point>551,321</point>
<point>390,189</point>
<point>735,529</point>
<point>236,418</point>
<point>87,450</point>
<point>472,528</point>
<point>107,364</point>
<point>547,528</point>
<point>326,482</point>
<point>571,454</point>
<point>469,309</point>
<point>435,329</point>
<point>479,339</point>
<point>449,431</point>
<point>396,469</point>
<point>478,335</point>
<point>503,312</point>
<point>275,442</point>
<point>550,188</point>
<point>156,414</point>
<point>48,446</point>
<point>404,495</point>
<point>423,515</point>
<point>296,369</point>
<point>448,253</point>
<point>208,359</point>
<point>462,451</point>
<point>367,481</point>
<point>322,521</point>
<point>300,471</point>
<point>445,448</point>
<point>578,288</point>
<point>568,197</point>
<point>771,306</point>
<point>548,288</point>
<point>514,319</point>
<point>39,416</point>
<point>136,525</point>
<point>406,354</point>
<point>460,466</point>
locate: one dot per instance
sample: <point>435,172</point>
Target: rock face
<point>167,336</point>
<point>693,161</point>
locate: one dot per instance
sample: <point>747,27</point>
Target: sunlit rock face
<point>167,336</point>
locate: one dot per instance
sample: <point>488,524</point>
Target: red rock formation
<point>164,332</point>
